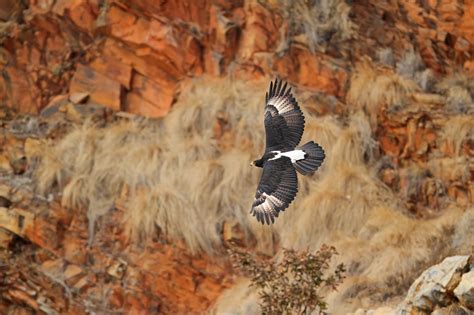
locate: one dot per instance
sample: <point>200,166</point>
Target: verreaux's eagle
<point>284,126</point>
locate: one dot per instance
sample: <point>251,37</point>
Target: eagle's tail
<point>314,157</point>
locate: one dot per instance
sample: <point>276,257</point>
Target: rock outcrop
<point>126,55</point>
<point>445,288</point>
<point>440,286</point>
<point>465,290</point>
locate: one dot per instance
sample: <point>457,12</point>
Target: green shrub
<point>293,284</point>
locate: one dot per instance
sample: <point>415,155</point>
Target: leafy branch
<point>293,284</point>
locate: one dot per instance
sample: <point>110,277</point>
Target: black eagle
<point>284,126</point>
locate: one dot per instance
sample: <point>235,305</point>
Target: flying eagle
<point>284,126</point>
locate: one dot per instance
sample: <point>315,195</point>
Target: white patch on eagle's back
<point>282,104</point>
<point>294,155</point>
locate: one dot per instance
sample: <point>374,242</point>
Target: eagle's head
<point>257,163</point>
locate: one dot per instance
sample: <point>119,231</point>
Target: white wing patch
<point>281,103</point>
<point>273,200</point>
<point>269,204</point>
<point>294,155</point>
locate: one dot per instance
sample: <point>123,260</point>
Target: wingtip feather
<point>282,92</point>
<point>267,219</point>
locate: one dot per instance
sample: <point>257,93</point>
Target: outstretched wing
<point>284,121</point>
<point>276,190</point>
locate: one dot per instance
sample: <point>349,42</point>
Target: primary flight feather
<point>284,126</point>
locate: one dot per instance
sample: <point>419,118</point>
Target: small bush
<point>293,284</point>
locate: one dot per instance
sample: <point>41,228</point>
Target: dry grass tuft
<point>185,183</point>
<point>463,238</point>
<point>450,169</point>
<point>320,22</point>
<point>372,88</point>
<point>385,57</point>
<point>456,131</point>
<point>389,253</point>
<point>240,299</point>
<point>92,165</point>
<point>62,160</point>
<point>414,176</point>
<point>410,64</point>
<point>459,92</point>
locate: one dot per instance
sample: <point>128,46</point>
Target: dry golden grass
<point>181,179</point>
<point>463,238</point>
<point>450,169</point>
<point>239,292</point>
<point>459,91</point>
<point>456,131</point>
<point>320,22</point>
<point>387,255</point>
<point>182,183</point>
<point>410,64</point>
<point>92,165</point>
<point>372,88</point>
<point>385,57</point>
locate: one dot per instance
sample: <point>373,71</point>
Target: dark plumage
<point>284,126</point>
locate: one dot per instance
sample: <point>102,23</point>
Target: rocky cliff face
<point>125,55</point>
<point>387,89</point>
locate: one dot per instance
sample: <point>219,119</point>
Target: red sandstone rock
<point>466,26</point>
<point>101,89</point>
<point>261,32</point>
<point>310,70</point>
<point>75,249</point>
<point>18,91</point>
<point>224,33</point>
<point>147,65</point>
<point>136,104</point>
<point>149,98</point>
<point>22,297</point>
<point>5,237</point>
<point>43,232</point>
<point>83,13</point>
<point>127,26</point>
<point>113,69</point>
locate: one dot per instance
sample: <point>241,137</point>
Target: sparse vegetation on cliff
<point>316,23</point>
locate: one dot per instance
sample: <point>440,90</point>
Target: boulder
<point>435,286</point>
<point>465,290</point>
